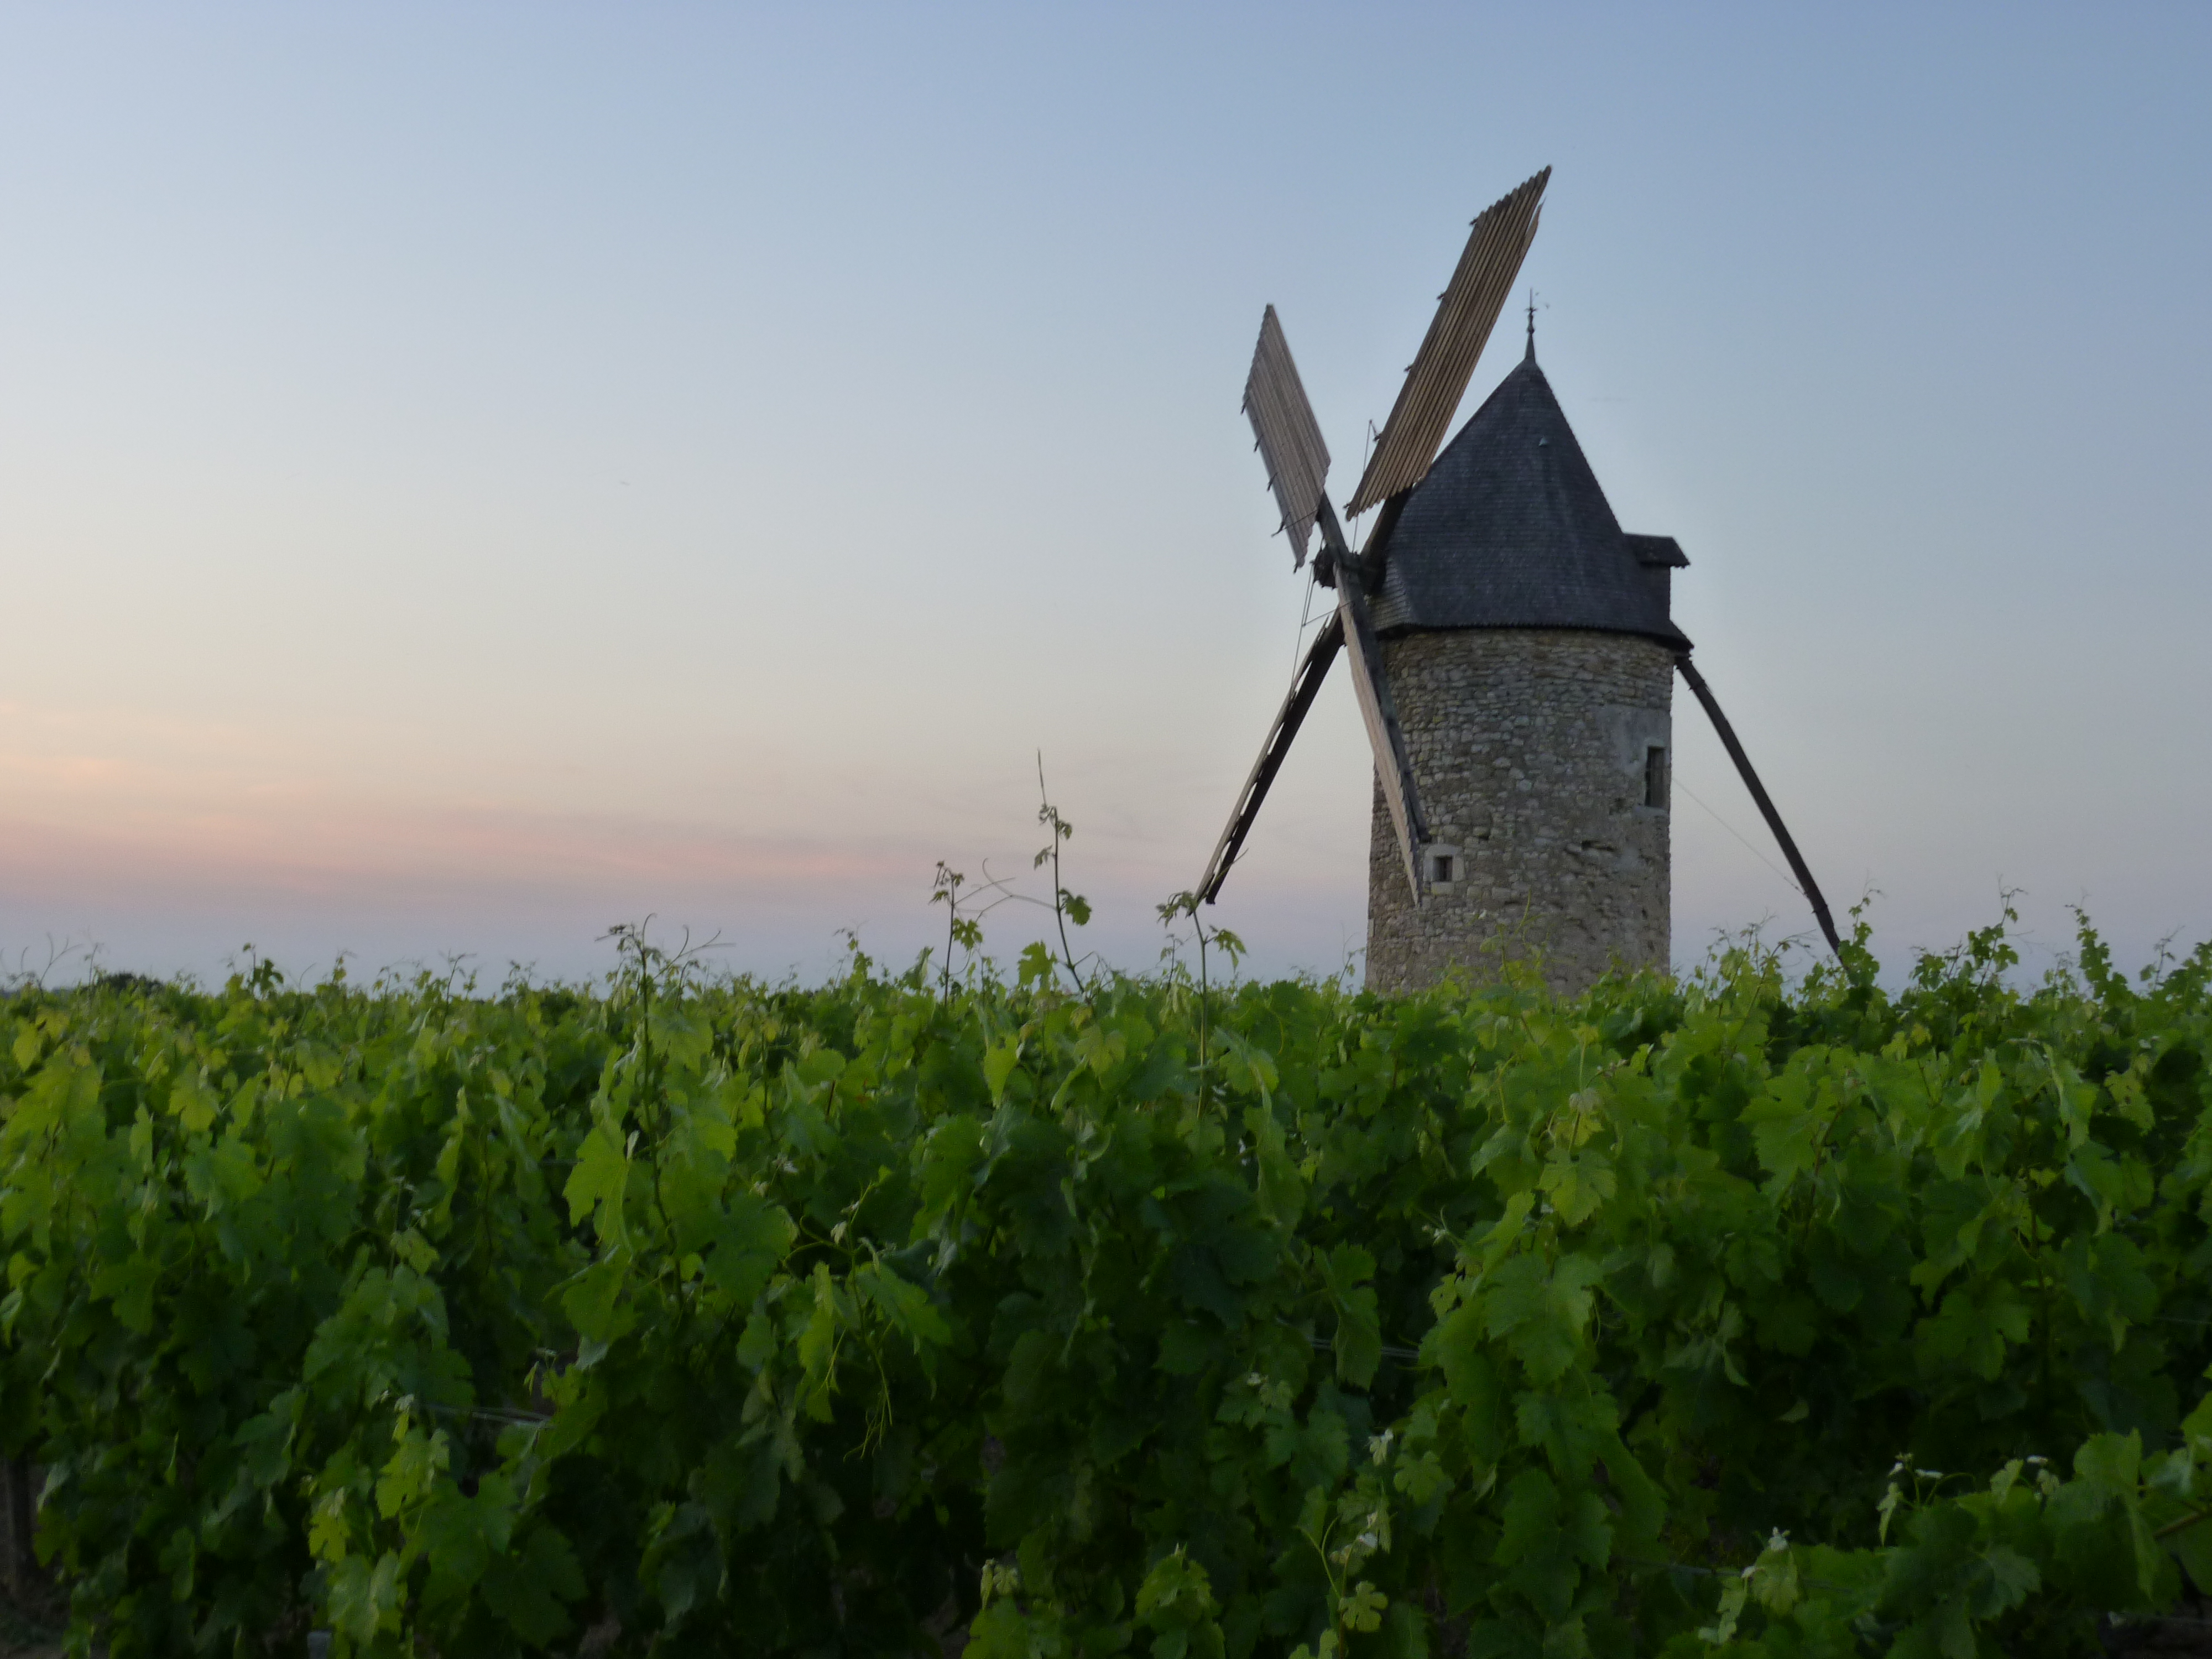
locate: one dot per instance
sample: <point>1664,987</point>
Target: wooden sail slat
<point>1289,437</point>
<point>1394,766</point>
<point>1467,310</point>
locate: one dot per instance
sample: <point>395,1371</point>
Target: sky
<point>472,474</point>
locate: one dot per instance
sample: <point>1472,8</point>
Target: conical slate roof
<point>1509,529</point>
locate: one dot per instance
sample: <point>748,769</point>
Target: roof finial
<point>1531,356</point>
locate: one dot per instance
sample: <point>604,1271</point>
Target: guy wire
<point>1738,833</point>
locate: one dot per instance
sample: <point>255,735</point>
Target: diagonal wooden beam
<point>1304,686</point>
<point>1806,884</point>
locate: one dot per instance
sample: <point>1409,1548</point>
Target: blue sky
<point>471,475</point>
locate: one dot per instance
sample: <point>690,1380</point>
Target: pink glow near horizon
<point>468,478</point>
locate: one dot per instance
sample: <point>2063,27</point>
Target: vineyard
<point>1741,1314</point>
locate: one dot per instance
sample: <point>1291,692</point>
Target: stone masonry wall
<point>1530,749</point>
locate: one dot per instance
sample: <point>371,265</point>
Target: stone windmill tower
<point>1530,654</point>
<point>1513,656</point>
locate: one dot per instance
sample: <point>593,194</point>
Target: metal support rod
<point>1806,884</point>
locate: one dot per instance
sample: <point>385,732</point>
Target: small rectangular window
<point>1441,869</point>
<point>1654,776</point>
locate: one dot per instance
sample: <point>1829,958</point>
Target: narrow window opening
<point>1440,867</point>
<point>1654,776</point>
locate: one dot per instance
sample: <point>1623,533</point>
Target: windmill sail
<point>1437,377</point>
<point>1393,768</point>
<point>1289,436</point>
<point>1290,443</point>
<point>1311,671</point>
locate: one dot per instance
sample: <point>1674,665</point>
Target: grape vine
<point>1727,1316</point>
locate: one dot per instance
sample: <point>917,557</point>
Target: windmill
<point>1511,650</point>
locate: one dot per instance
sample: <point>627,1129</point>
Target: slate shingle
<point>1511,529</point>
